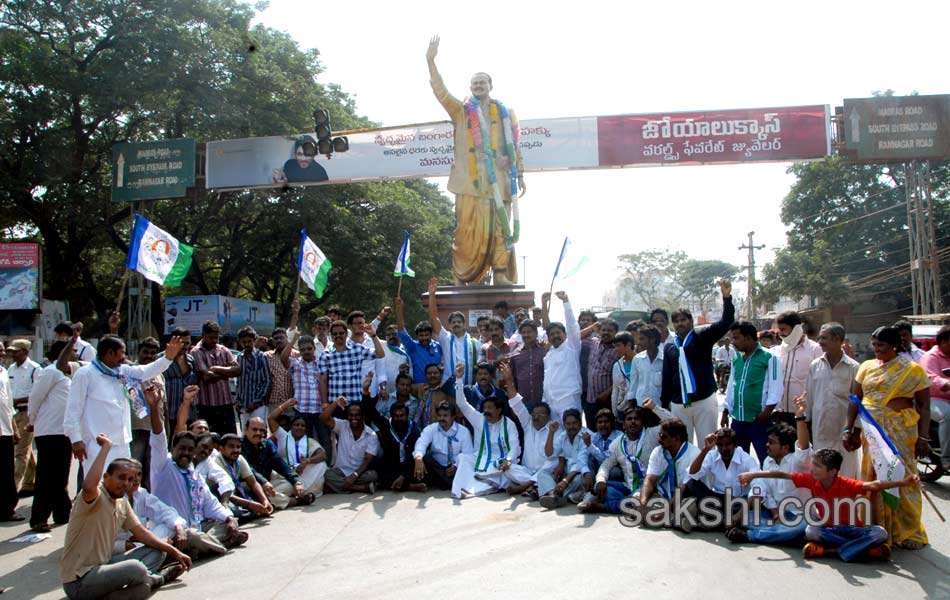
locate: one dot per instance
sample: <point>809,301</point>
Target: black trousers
<point>50,495</point>
<point>8,491</point>
<point>220,418</point>
<point>436,474</point>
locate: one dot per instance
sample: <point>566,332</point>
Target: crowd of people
<point>180,447</point>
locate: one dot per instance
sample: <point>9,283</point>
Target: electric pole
<point>751,247</point>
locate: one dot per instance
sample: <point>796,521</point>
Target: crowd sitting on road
<point>180,448</point>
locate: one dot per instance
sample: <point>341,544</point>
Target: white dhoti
<point>559,405</point>
<point>312,478</point>
<point>479,484</point>
<point>92,451</point>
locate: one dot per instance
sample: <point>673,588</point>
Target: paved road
<point>417,546</point>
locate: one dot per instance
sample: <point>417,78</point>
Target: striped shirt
<point>281,385</point>
<point>253,386</point>
<point>600,371</point>
<point>344,369</point>
<point>217,393</point>
<point>175,384</point>
<point>306,377</point>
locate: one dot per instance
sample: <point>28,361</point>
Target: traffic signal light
<point>326,143</point>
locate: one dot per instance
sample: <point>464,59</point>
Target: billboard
<point>897,128</point>
<point>20,276</point>
<point>191,312</point>
<point>427,149</point>
<point>152,170</point>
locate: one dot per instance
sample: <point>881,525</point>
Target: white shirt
<point>827,401</point>
<point>168,481</point>
<point>154,515</point>
<point>620,390</point>
<point>22,378</point>
<point>534,457</point>
<point>350,451</point>
<point>6,404</point>
<point>772,490</point>
<point>725,355</point>
<point>438,441</point>
<point>718,477</point>
<point>456,349</point>
<point>658,466</point>
<point>48,399</point>
<point>575,453</point>
<point>562,369</point>
<point>795,364</point>
<point>376,365</point>
<point>641,449</point>
<point>914,355</point>
<point>212,471</point>
<point>500,442</point>
<point>99,403</point>
<point>84,350</point>
<point>646,377</point>
<point>393,361</point>
<point>289,449</point>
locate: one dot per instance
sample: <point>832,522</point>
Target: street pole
<point>751,247</point>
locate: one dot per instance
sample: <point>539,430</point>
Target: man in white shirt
<point>439,447</point>
<point>716,469</point>
<point>23,373</point>
<point>571,479</point>
<point>827,388</point>
<point>646,372</point>
<point>396,359</point>
<point>209,527</point>
<point>598,442</point>
<point>538,429</point>
<point>562,372</point>
<point>154,515</point>
<point>357,446</point>
<point>796,353</point>
<point>9,436</point>
<point>72,331</point>
<point>789,457</point>
<point>667,470</point>
<point>458,346</point>
<point>625,345</point>
<point>908,349</point>
<point>497,448</point>
<point>725,354</point>
<point>629,453</point>
<point>46,409</point>
<point>101,397</point>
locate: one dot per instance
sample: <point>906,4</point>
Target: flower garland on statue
<point>489,145</point>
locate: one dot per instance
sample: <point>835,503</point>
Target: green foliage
<point>650,277</point>
<point>698,278</point>
<point>77,77</point>
<point>846,222</point>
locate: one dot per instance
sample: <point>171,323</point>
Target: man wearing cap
<point>23,373</point>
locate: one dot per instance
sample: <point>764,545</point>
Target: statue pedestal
<point>476,300</point>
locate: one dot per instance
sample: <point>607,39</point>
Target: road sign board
<point>152,170</point>
<point>897,128</point>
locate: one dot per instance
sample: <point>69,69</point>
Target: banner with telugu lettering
<point>427,149</point>
<point>20,275</point>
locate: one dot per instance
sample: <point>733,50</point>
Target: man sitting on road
<point>101,508</point>
<point>357,446</point>
<point>248,496</point>
<point>538,429</point>
<point>272,470</point>
<point>445,442</point>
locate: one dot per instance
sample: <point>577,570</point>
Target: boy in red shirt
<point>845,536</point>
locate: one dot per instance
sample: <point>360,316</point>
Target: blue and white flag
<point>313,265</point>
<point>888,465</point>
<point>157,255</point>
<point>402,261</point>
<point>568,263</point>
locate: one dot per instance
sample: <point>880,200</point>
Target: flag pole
<point>125,277</point>
<point>399,288</point>
<point>932,505</point>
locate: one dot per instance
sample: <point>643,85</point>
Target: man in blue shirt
<point>423,351</point>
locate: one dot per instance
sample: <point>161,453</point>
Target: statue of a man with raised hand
<point>487,169</point>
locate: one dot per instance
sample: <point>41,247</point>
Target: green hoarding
<point>152,170</point>
<point>897,128</point>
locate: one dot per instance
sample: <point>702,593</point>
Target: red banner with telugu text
<point>723,136</point>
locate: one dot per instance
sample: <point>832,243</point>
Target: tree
<point>847,222</point>
<point>698,278</point>
<point>77,77</point>
<point>651,275</point>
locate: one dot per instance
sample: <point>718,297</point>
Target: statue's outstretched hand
<point>522,188</point>
<point>433,48</point>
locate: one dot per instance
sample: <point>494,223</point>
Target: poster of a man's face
<point>301,167</point>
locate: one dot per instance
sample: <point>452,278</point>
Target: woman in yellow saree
<point>896,391</point>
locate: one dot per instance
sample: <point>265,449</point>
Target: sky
<point>565,59</point>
